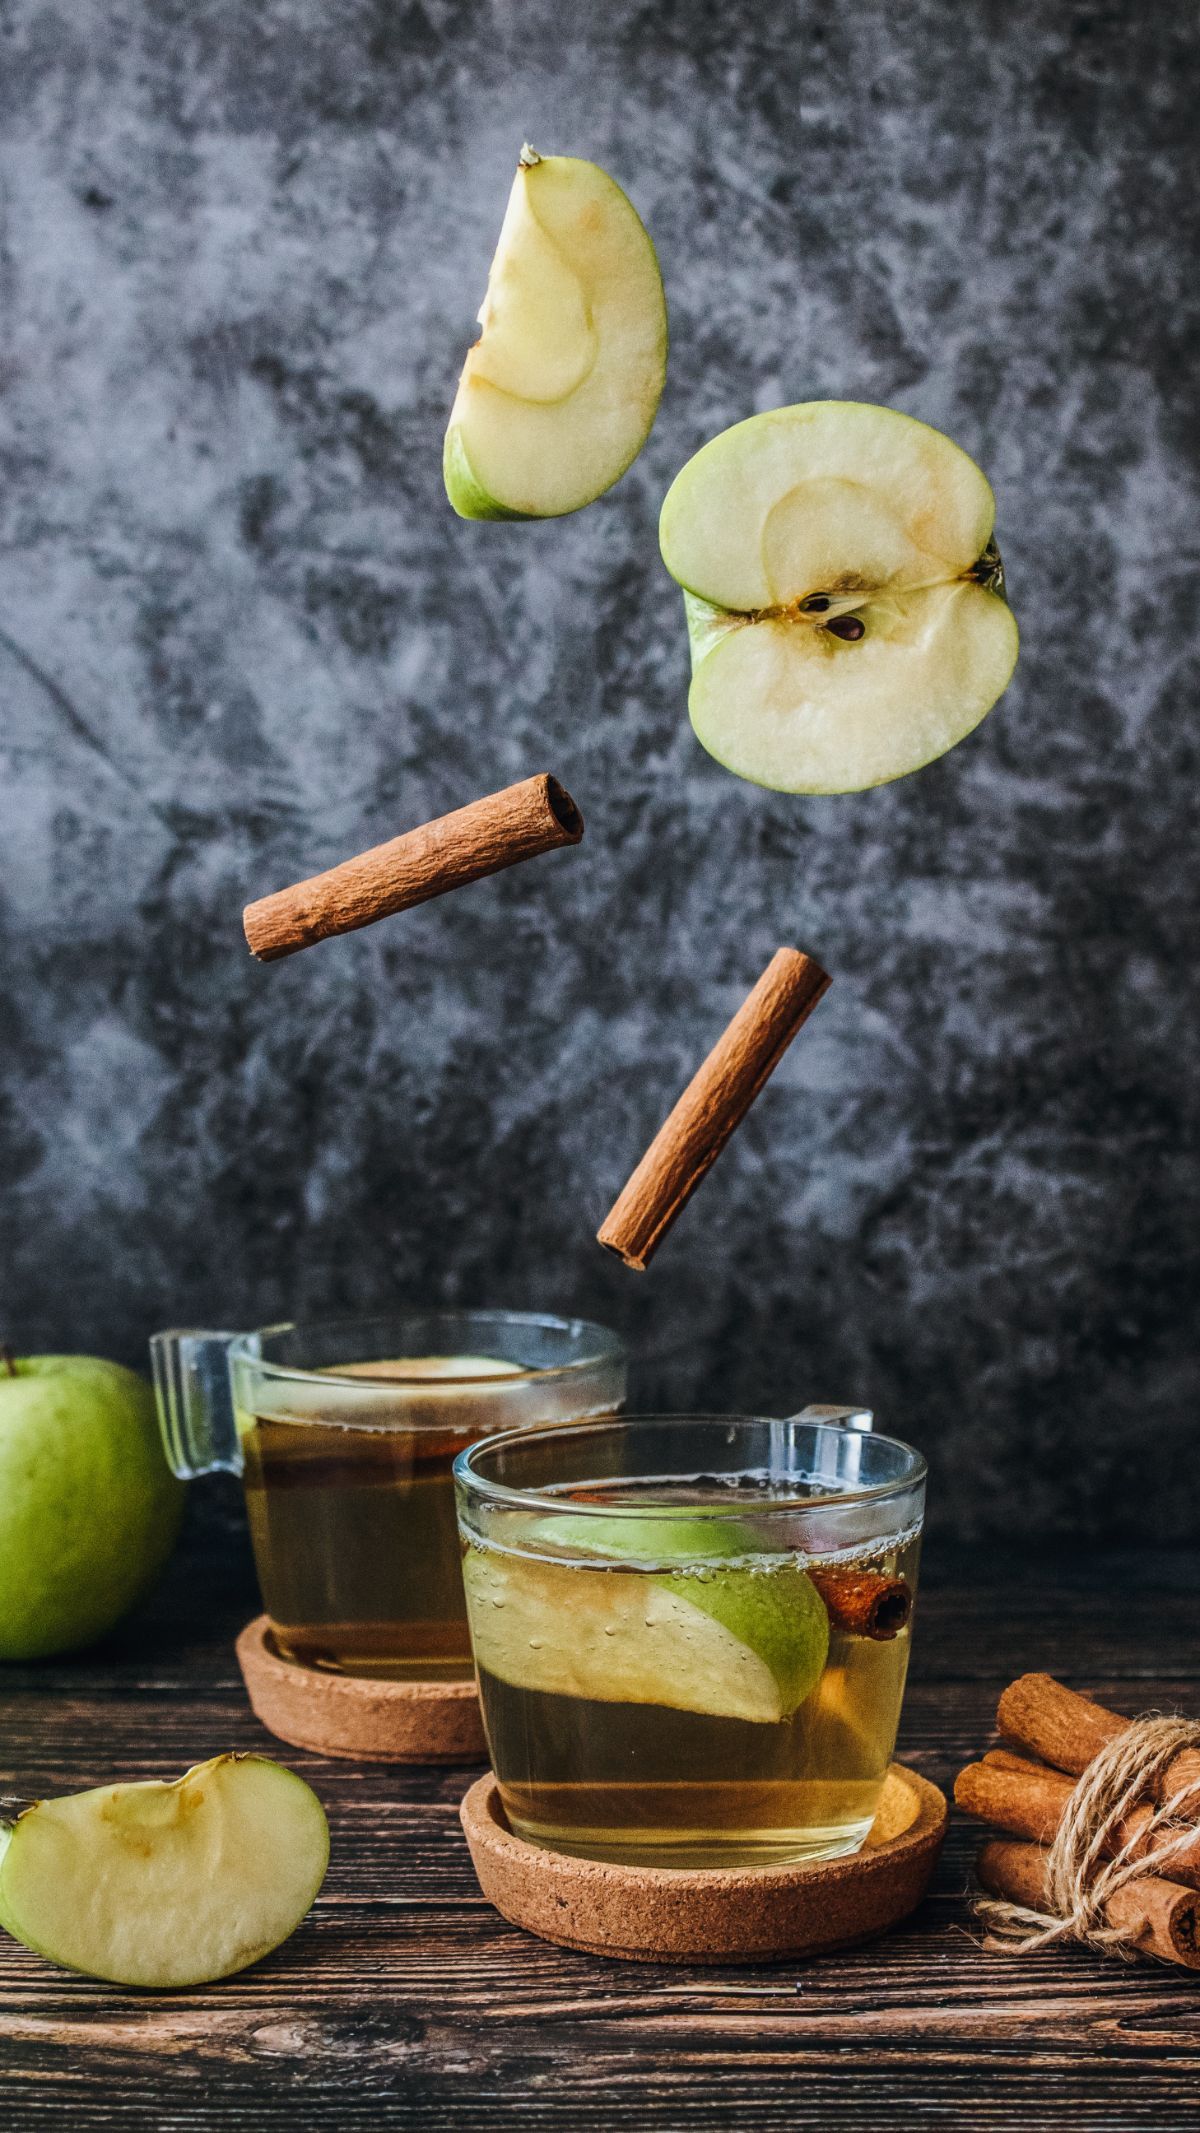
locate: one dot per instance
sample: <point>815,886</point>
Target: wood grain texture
<point>405,2001</point>
<point>712,1106</point>
<point>524,820</point>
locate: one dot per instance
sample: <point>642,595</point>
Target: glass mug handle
<point>195,1402</point>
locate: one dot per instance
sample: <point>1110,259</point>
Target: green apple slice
<point>166,1885</point>
<point>406,1367</point>
<point>733,1640</point>
<point>558,395</point>
<point>844,596</point>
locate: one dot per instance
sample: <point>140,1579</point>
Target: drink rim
<point>605,1347</point>
<point>496,1492</point>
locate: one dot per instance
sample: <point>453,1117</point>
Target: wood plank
<point>406,2001</point>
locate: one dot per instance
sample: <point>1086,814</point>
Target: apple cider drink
<point>691,1669</point>
<point>353,1527</point>
<point>347,1435</point>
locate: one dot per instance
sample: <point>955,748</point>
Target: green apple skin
<point>778,1614</point>
<point>89,1509</point>
<point>466,493</point>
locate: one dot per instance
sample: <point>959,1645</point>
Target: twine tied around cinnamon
<point>1085,1868</point>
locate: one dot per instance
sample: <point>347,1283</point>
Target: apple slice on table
<point>558,394</point>
<point>844,596</point>
<point>166,1885</point>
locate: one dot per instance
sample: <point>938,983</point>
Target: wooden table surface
<point>405,2001</point>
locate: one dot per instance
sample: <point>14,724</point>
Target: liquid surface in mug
<point>693,1712</point>
<point>353,1527</point>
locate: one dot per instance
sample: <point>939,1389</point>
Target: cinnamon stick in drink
<point>1160,1917</point>
<point>712,1106</point>
<point>524,820</point>
<point>866,1603</point>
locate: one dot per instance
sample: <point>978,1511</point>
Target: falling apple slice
<point>559,393</point>
<point>166,1885</point>
<point>844,596</point>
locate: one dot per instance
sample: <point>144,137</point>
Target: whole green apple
<point>89,1508</point>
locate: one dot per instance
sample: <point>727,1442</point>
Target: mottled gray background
<point>241,247</point>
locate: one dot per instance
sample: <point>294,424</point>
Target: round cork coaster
<point>657,1914</point>
<point>346,1714</point>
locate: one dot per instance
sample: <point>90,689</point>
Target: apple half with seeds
<point>559,393</point>
<point>844,595</point>
<point>166,1885</point>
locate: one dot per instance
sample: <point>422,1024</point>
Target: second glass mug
<point>344,1434</point>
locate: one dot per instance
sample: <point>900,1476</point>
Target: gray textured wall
<point>241,247</point>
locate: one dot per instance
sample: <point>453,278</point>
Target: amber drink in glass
<point>345,1434</point>
<point>691,1634</point>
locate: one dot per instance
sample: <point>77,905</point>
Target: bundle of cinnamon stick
<point>1026,1790</point>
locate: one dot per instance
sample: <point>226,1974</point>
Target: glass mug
<point>692,1633</point>
<point>344,1434</point>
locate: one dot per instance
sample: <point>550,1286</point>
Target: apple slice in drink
<point>455,1368</point>
<point>844,595</point>
<point>166,1885</point>
<point>559,393</point>
<point>738,1639</point>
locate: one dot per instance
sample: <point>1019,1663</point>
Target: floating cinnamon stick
<point>1160,1917</point>
<point>865,1602</point>
<point>712,1105</point>
<point>519,823</point>
<point>1067,1729</point>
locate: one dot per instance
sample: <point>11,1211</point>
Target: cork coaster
<point>657,1914</point>
<point>346,1714</point>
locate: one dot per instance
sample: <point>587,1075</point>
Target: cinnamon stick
<point>865,1603</point>
<point>496,832</point>
<point>712,1106</point>
<point>1029,1800</point>
<point>1004,1759</point>
<point>1067,1729</point>
<point>1025,1803</point>
<point>1161,1917</point>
